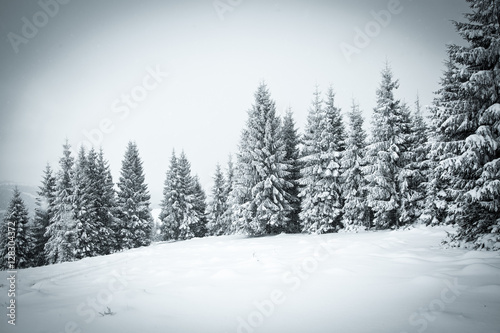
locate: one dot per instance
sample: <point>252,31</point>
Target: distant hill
<point>28,194</point>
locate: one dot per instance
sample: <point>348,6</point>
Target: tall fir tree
<point>407,167</point>
<point>14,238</point>
<point>107,210</point>
<point>171,212</point>
<point>439,192</point>
<point>217,205</point>
<point>311,172</point>
<point>385,153</point>
<point>87,224</point>
<point>333,146</point>
<point>415,169</point>
<point>263,203</point>
<point>229,227</point>
<point>183,206</point>
<point>44,213</point>
<point>469,138</point>
<point>94,205</point>
<point>136,222</point>
<point>292,154</point>
<point>324,143</point>
<point>199,208</point>
<point>354,190</point>
<point>62,231</point>
<point>190,218</point>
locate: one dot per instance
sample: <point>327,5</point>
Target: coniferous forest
<point>340,174</point>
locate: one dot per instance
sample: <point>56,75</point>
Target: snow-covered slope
<point>390,281</point>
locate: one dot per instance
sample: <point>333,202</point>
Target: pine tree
<point>171,210</point>
<point>354,191</point>
<point>384,153</point>
<point>229,197</point>
<point>333,146</point>
<point>191,218</point>
<point>84,209</point>
<point>262,200</point>
<point>471,105</point>
<point>62,231</point>
<point>415,169</point>
<point>408,174</point>
<point>199,208</point>
<point>183,206</point>
<point>324,142</point>
<point>217,205</point>
<point>136,223</point>
<point>291,143</point>
<point>44,213</point>
<point>439,192</point>
<point>311,171</point>
<point>14,239</point>
<point>107,211</point>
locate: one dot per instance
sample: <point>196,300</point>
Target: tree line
<point>333,176</point>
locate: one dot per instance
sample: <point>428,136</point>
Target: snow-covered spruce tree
<point>228,217</point>
<point>324,142</point>
<point>385,153</point>
<point>44,212</point>
<point>333,146</point>
<point>87,224</point>
<point>472,161</point>
<point>439,192</point>
<point>183,205</point>
<point>199,208</point>
<point>14,239</point>
<point>62,232</point>
<point>171,210</point>
<point>217,205</point>
<point>261,197</point>
<point>311,171</point>
<point>356,212</point>
<point>94,204</point>
<point>415,169</point>
<point>136,222</point>
<point>191,217</point>
<point>107,211</point>
<point>407,174</point>
<point>291,141</point>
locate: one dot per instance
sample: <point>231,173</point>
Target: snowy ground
<point>391,281</point>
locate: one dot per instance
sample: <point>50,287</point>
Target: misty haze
<point>250,166</point>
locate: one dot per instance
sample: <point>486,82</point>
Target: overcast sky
<point>182,74</point>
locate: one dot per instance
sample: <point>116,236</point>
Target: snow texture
<point>387,281</point>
